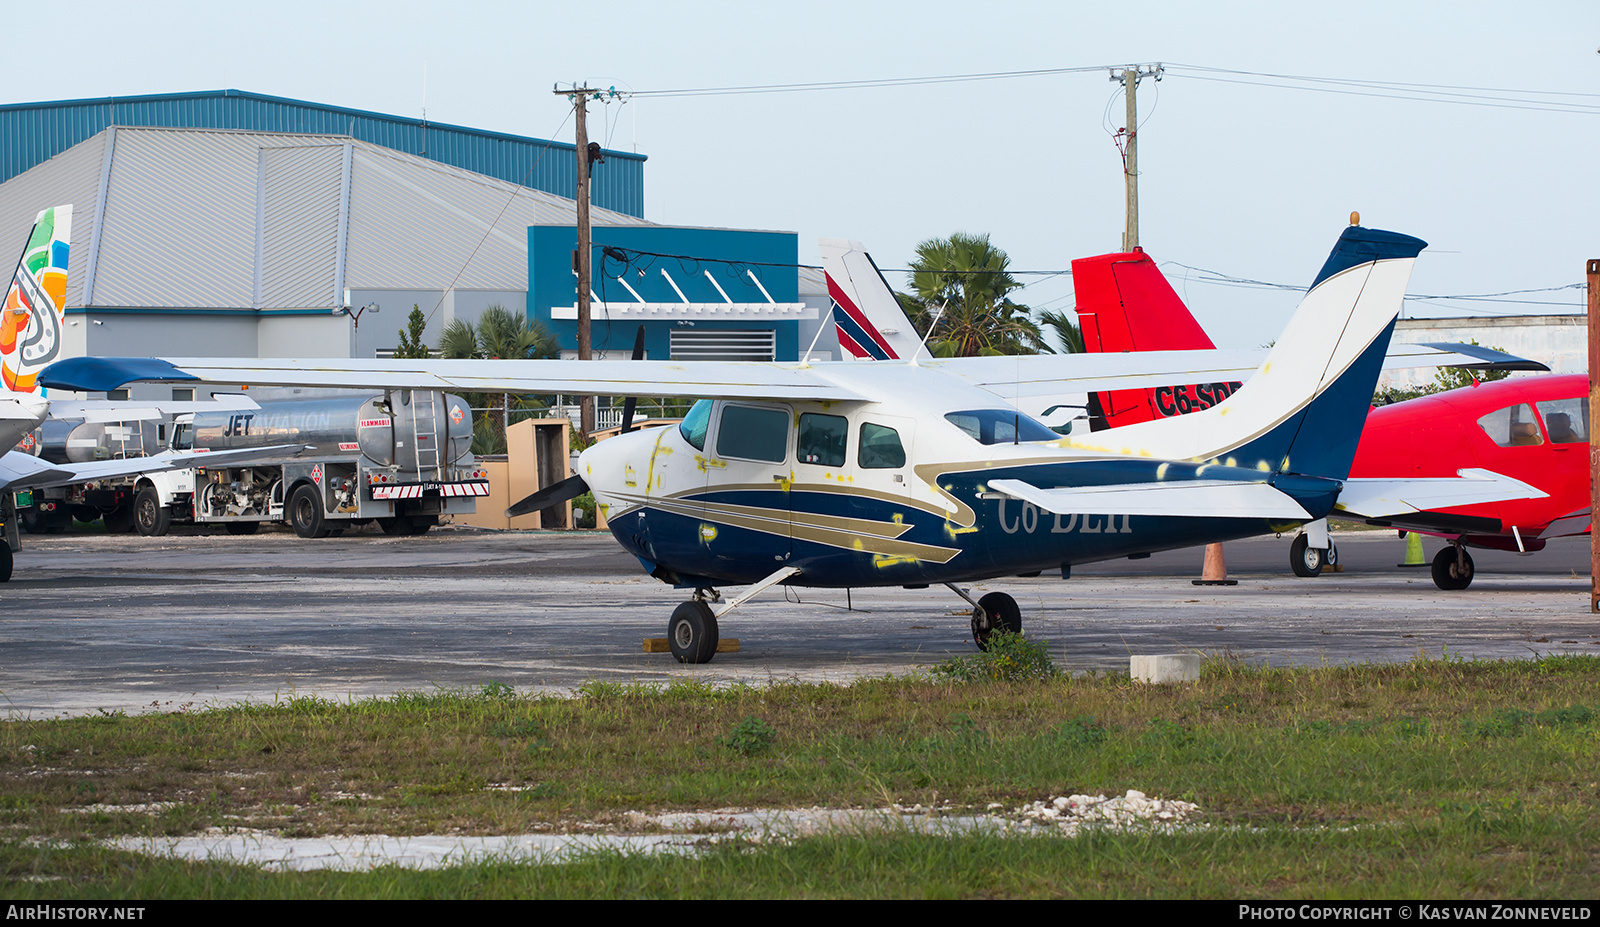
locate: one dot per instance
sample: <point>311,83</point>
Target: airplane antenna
<point>924,346</point>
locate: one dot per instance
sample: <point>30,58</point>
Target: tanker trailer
<point>402,459</point>
<point>74,440</point>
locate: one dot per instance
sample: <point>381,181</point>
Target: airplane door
<point>749,475</point>
<point>880,467</point>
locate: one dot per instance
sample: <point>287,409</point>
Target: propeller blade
<point>570,488</point>
<point>633,401</point>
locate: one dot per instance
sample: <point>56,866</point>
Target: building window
<point>724,345</point>
<point>183,394</point>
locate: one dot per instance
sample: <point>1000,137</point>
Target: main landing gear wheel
<point>1452,568</point>
<point>305,512</point>
<point>692,632</point>
<point>995,612</point>
<point>1305,559</point>
<point>5,562</point>
<point>149,515</point>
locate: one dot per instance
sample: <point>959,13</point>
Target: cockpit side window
<point>1513,426</point>
<point>880,448</point>
<point>183,437</point>
<point>1000,426</point>
<point>822,439</point>
<point>1566,421</point>
<point>694,425</point>
<point>753,433</point>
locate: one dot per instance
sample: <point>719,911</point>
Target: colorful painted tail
<point>1303,410</point>
<point>1124,303</point>
<point>869,321</point>
<point>30,328</point>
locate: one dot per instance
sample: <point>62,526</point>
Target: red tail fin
<point>1126,304</point>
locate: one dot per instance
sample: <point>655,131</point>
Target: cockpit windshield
<point>1000,426</point>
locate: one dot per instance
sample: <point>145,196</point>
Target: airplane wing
<point>1190,498</point>
<point>1396,498</point>
<point>1030,375</point>
<point>24,471</point>
<point>690,380</point>
<point>1010,376</point>
<point>120,410</point>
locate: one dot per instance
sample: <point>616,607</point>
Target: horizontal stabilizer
<point>1191,498</point>
<point>1380,498</point>
<point>1469,356</point>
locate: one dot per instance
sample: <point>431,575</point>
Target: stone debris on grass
<point>682,832</point>
<point>1074,811</point>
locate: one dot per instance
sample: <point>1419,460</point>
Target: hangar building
<point>235,224</point>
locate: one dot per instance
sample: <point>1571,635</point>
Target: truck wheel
<point>119,520</point>
<point>243,527</point>
<point>149,514</point>
<point>394,526</point>
<point>31,522</point>
<point>305,512</point>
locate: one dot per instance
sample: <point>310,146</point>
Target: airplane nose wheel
<point>995,612</point>
<point>692,632</point>
<point>1452,568</point>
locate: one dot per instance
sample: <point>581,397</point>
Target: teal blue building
<point>725,294</point>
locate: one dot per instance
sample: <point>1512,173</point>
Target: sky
<point>1241,176</point>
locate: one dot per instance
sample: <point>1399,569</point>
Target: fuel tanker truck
<point>76,440</point>
<point>401,459</point>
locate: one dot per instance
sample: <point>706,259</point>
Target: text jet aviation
<point>30,338</point>
<point>909,473</point>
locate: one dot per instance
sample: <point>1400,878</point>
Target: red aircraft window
<point>1513,426</point>
<point>1566,421</point>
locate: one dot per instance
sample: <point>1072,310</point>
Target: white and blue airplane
<point>913,472</point>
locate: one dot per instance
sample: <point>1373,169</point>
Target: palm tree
<point>960,286</point>
<point>1066,331</point>
<point>500,334</point>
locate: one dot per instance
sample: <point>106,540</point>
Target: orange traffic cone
<point>1215,571</point>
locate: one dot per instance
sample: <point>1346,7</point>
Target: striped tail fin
<point>866,316</point>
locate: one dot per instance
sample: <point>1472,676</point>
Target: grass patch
<point>1464,778</point>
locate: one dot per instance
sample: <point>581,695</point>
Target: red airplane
<point>1533,429</point>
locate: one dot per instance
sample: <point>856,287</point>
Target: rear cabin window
<point>1000,426</point>
<point>752,433</point>
<point>1566,421</point>
<point>694,425</point>
<point>880,448</point>
<point>822,439</point>
<point>1513,426</point>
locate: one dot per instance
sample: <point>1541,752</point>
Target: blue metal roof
<point>34,132</point>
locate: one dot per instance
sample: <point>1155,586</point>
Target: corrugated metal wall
<point>34,132</point>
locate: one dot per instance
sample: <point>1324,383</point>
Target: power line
<point>1466,95</point>
<point>863,84</point>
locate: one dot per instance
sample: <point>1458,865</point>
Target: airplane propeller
<point>574,486</point>
<point>570,488</point>
<point>633,401</point>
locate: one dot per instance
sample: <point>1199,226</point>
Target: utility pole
<point>1593,269</point>
<point>1129,78</point>
<point>580,99</point>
